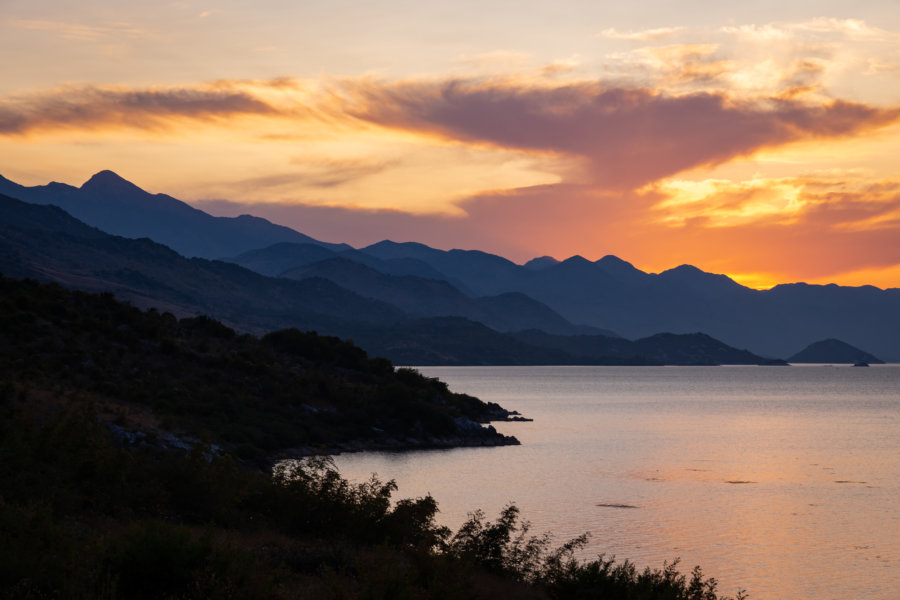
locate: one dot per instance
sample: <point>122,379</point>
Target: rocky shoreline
<point>471,434</point>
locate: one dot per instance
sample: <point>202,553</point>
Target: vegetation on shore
<point>92,506</point>
<point>289,391</point>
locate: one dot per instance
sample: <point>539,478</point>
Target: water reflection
<point>780,481</point>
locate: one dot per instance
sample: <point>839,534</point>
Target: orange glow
<point>763,150</point>
<point>757,281</point>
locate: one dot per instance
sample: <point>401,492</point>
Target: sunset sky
<point>760,140</point>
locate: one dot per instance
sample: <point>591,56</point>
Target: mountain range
<point>45,243</point>
<point>114,205</point>
<point>611,293</point>
<point>408,301</point>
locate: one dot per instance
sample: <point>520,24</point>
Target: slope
<point>118,207</point>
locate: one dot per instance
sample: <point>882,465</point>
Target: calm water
<point>781,481</point>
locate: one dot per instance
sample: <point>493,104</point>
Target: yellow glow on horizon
<point>756,281</point>
<point>882,277</point>
<point>362,122</point>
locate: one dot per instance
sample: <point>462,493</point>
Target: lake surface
<point>784,481</point>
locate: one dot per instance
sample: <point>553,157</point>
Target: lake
<point>784,481</point>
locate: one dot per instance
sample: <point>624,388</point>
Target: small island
<point>832,351</point>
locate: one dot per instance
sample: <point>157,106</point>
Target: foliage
<point>92,507</point>
<point>287,390</point>
<point>148,523</point>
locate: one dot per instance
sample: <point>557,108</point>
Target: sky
<point>760,140</point>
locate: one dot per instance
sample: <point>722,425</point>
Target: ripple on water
<point>783,482</point>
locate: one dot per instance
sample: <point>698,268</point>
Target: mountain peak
<point>612,259</point>
<point>576,260</point>
<point>536,264</point>
<point>686,269</point>
<point>617,266</point>
<point>108,181</point>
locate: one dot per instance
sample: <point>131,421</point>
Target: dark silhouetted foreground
<point>117,478</point>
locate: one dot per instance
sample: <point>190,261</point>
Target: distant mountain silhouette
<point>833,351</point>
<point>661,348</point>
<point>483,273</point>
<point>118,207</point>
<point>280,258</point>
<point>456,341</point>
<point>608,294</point>
<point>45,243</point>
<point>423,297</point>
<point>611,293</point>
<point>541,262</point>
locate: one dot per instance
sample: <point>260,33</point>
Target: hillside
<point>611,293</point>
<point>425,297</point>
<point>118,429</point>
<point>661,349</point>
<point>288,391</point>
<point>599,296</point>
<point>116,206</point>
<point>44,243</point>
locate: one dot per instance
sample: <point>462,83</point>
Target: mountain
<point>483,273</point>
<point>116,206</point>
<point>285,256</point>
<point>611,293</point>
<point>608,294</point>
<point>457,341</point>
<point>286,391</point>
<point>47,244</point>
<point>541,262</point>
<point>833,351</point>
<point>423,297</point>
<point>662,349</point>
<point>274,260</point>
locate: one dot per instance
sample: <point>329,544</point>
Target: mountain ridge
<point>45,243</point>
<point>607,294</point>
<point>115,205</point>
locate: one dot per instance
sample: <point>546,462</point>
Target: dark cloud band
<point>87,107</point>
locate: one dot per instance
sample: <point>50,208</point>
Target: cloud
<point>81,32</point>
<point>853,60</point>
<point>822,241</point>
<point>847,203</point>
<point>322,173</point>
<point>695,65</point>
<point>643,35</point>
<point>849,28</point>
<point>89,107</point>
<point>628,136</point>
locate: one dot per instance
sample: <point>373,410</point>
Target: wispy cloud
<point>82,32</point>
<point>307,173</point>
<point>850,28</point>
<point>643,35</point>
<point>89,107</point>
